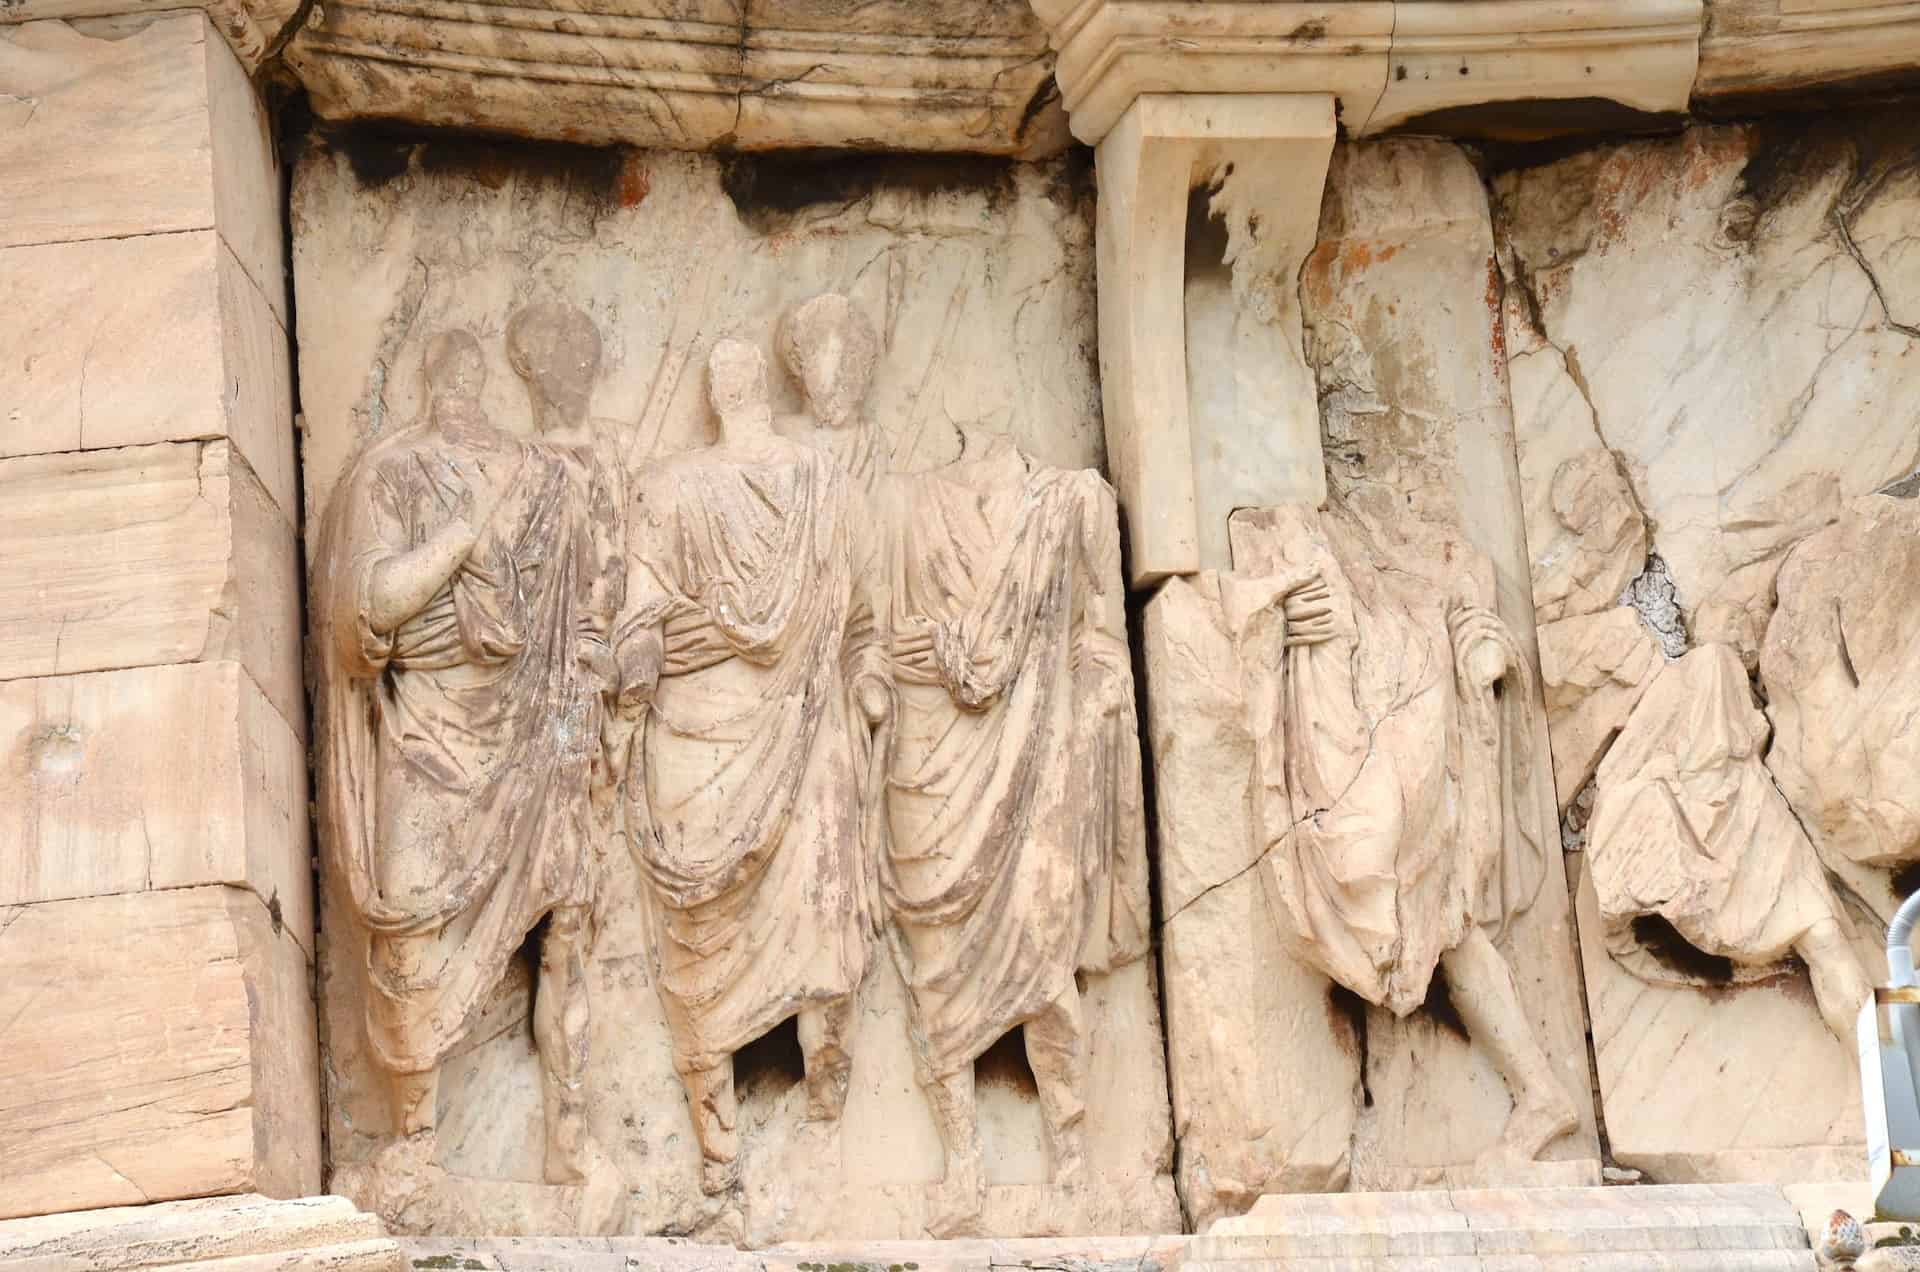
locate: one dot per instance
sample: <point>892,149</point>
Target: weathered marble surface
<point>244,1233</point>
<point>973,278</point>
<point>975,272</point>
<point>153,778</point>
<point>1837,666</point>
<point>1709,340</point>
<point>163,1046</point>
<point>1279,1082</point>
<point>710,74</point>
<point>1732,310</point>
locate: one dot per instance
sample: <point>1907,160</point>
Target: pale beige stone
<point>84,163</point>
<point>155,777</point>
<point>1193,433</point>
<point>710,74</point>
<point>1837,668</point>
<point>979,284</point>
<point>236,1233</point>
<point>192,351</point>
<point>162,1045</point>
<point>1247,1122</point>
<point>1651,1229</point>
<point>1592,670</point>
<point>147,555</point>
<point>1689,1097</point>
<point>465,600</point>
<point>1586,535</point>
<point>998,916</point>
<point>1737,613</point>
<point>1452,56</point>
<point>1754,50</point>
<point>1652,271</point>
<point>1689,828</point>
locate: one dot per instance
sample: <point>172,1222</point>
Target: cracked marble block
<point>1354,1003</point>
<point>141,257</point>
<point>160,1045</point>
<point>1710,339</point>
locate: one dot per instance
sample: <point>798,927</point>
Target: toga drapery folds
<point>1016,850</point>
<point>744,802</point>
<point>1392,792</point>
<point>461,743</point>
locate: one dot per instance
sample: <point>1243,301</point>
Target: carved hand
<point>1308,607</point>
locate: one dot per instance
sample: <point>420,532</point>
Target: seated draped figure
<point>1393,775</point>
<point>464,595</point>
<point>1689,827</point>
<point>743,796</point>
<point>1014,849</point>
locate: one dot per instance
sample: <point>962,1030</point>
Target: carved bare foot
<point>954,1204</point>
<point>1532,1126</point>
<point>719,1176</point>
<point>603,1196</point>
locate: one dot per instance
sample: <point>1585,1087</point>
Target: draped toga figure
<point>745,820</point>
<point>460,582</point>
<point>1393,775</point>
<point>1015,852</point>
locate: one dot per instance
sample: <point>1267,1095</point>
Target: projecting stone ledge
<point>216,1234</point>
<point>1683,1228</point>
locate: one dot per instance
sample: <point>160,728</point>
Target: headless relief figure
<point>455,605</point>
<point>1688,825</point>
<point>1015,848</point>
<point>1392,784</point>
<point>743,798</point>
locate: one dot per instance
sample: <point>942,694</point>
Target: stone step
<point>1688,1226</point>
<point>216,1234</point>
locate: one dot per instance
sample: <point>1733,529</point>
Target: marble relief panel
<point>730,802</point>
<point>1709,341</point>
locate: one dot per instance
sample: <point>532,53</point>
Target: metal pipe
<point>1900,942</point>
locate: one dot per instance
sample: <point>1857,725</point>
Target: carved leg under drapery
<point>1840,984</point>
<point>560,1031</point>
<point>1483,992</point>
<point>825,1030</point>
<point>954,1204</point>
<point>1057,1052</point>
<point>716,1116</point>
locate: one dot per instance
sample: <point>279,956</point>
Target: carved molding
<point>1385,63</point>
<point>1755,47</point>
<point>1266,156</point>
<point>252,28</point>
<point>642,73</point>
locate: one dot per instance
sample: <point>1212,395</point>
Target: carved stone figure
<point>830,349</point>
<point>1015,853</point>
<point>743,807</point>
<point>1392,771</point>
<point>456,600</point>
<point>1837,664</point>
<point>1688,826</point>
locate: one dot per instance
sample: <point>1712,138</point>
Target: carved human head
<point>830,348</point>
<point>555,349</point>
<point>456,371</point>
<point>737,384</point>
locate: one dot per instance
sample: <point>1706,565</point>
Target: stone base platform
<point>1717,1227</point>
<point>1683,1228</point>
<point>246,1233</point>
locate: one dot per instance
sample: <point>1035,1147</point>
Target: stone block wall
<point>157,1035</point>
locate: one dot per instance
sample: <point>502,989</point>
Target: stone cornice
<point>607,71</point>
<point>253,29</point>
<point>1385,63</point>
